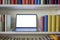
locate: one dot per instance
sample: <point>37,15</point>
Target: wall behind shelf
<point>38,12</point>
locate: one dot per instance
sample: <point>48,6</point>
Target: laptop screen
<point>26,20</point>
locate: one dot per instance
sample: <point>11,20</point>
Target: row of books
<point>5,22</point>
<point>48,37</point>
<point>29,1</point>
<point>50,23</point>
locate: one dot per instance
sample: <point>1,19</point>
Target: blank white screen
<point>26,21</point>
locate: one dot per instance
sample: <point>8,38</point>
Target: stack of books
<point>50,23</point>
<point>38,2</point>
<point>5,22</point>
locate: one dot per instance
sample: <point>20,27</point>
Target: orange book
<point>27,1</point>
<point>23,1</point>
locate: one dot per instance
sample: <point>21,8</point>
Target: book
<point>32,1</point>
<point>0,24</point>
<point>53,23</point>
<point>38,2</point>
<point>27,1</point>
<point>42,2</point>
<point>45,1</point>
<point>12,1</point>
<point>23,1</point>
<point>15,1</point>
<point>52,1</point>
<point>7,23</point>
<point>1,1</point>
<point>49,23</point>
<point>53,37</point>
<point>41,24</point>
<point>45,23</point>
<point>58,1</point>
<point>8,1</point>
<point>57,23</point>
<point>19,1</point>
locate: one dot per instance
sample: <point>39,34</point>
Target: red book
<point>42,24</point>
<point>32,1</point>
<point>58,1</point>
<point>29,1</point>
<point>52,2</point>
<point>23,1</point>
<point>58,37</point>
<point>12,1</point>
<point>1,1</point>
<point>15,1</point>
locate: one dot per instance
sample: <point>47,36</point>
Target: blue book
<point>8,1</point>
<point>19,1</point>
<point>56,1</point>
<point>37,1</point>
<point>26,29</point>
<point>46,23</point>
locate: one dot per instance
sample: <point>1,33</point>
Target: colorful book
<point>41,24</point>
<point>12,1</point>
<point>57,23</point>
<point>49,23</point>
<point>23,1</point>
<point>58,1</point>
<point>19,1</point>
<point>53,23</point>
<point>45,23</point>
<point>52,1</point>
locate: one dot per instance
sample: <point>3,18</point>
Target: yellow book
<point>53,37</point>
<point>57,23</point>
<point>42,2</point>
<point>53,23</point>
<point>49,23</point>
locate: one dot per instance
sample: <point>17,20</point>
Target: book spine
<point>36,1</point>
<point>42,2</point>
<point>23,1</point>
<point>15,1</point>
<point>39,1</point>
<point>8,1</point>
<point>12,1</point>
<point>42,24</point>
<point>57,23</point>
<point>46,23</point>
<point>58,1</point>
<point>53,23</point>
<point>45,1</point>
<point>1,1</point>
<point>7,23</point>
<point>19,1</point>
<point>0,24</point>
<point>32,1</point>
<point>52,1</point>
<point>49,23</point>
<point>27,1</point>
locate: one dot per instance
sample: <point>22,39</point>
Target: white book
<point>7,23</point>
